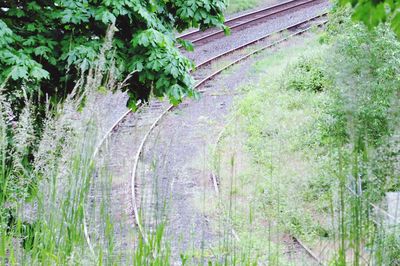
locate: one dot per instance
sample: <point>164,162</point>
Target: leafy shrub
<point>49,44</point>
<point>306,74</point>
<point>373,12</point>
<point>362,116</point>
<point>364,66</point>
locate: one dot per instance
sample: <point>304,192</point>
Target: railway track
<point>295,241</point>
<point>246,20</point>
<point>157,110</point>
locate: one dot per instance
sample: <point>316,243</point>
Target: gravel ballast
<point>243,36</point>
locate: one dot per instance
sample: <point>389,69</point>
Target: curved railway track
<point>246,20</point>
<point>296,29</point>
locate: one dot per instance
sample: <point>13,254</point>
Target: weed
<point>235,6</point>
<point>306,74</point>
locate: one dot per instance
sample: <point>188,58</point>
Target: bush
<point>362,115</point>
<point>365,68</point>
<point>306,74</point>
<point>50,44</point>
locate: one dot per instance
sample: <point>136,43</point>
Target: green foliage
<point>16,144</point>
<point>155,251</point>
<point>51,43</point>
<point>361,129</point>
<point>362,113</point>
<point>373,12</point>
<point>365,68</point>
<point>389,250</point>
<point>333,125</point>
<point>277,121</point>
<point>306,74</point>
<point>235,6</point>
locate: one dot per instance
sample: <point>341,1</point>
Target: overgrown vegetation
<point>46,45</point>
<point>55,197</point>
<point>55,57</point>
<point>316,143</point>
<point>323,143</point>
<point>273,139</point>
<point>307,74</point>
<point>363,115</point>
<point>372,13</point>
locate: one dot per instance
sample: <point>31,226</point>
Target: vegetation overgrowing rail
<point>199,84</point>
<point>292,27</point>
<point>216,184</point>
<point>306,168</point>
<point>338,193</point>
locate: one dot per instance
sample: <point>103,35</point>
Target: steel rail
<point>237,18</point>
<point>208,61</point>
<point>258,50</point>
<point>156,122</point>
<point>295,239</point>
<point>167,110</point>
<point>257,40</point>
<point>297,3</point>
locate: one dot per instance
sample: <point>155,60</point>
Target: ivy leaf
<point>373,12</point>
<point>5,34</point>
<point>139,66</point>
<point>175,94</point>
<point>174,72</point>
<point>227,30</point>
<point>42,51</point>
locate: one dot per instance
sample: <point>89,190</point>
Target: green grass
<point>56,209</point>
<point>314,127</point>
<point>264,159</point>
<point>235,6</point>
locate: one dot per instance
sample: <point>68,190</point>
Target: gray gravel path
<point>117,158</point>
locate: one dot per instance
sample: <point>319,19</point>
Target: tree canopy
<point>49,43</point>
<point>373,12</point>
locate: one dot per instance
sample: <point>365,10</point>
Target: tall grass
<point>45,199</point>
<point>310,155</point>
<point>55,193</point>
<point>363,124</point>
<point>323,143</point>
<point>252,154</point>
